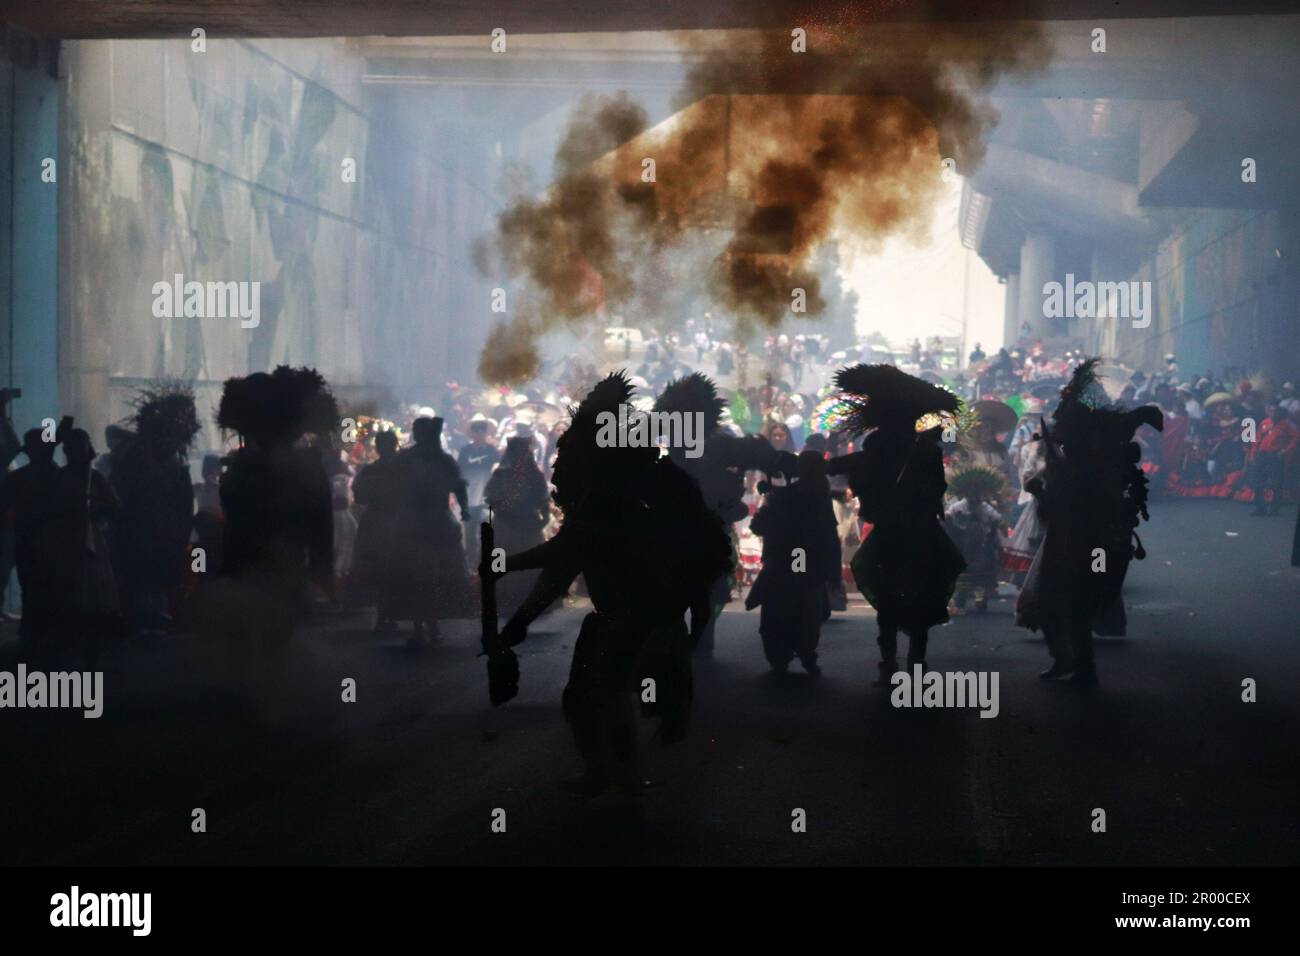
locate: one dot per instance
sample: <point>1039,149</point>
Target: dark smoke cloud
<point>772,152</point>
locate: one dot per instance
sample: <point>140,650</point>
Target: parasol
<point>1000,416</point>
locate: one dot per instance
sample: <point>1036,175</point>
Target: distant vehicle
<point>866,353</point>
<point>622,341</point>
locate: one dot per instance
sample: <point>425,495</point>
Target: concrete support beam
<point>1011,310</point>
<point>1037,268</point>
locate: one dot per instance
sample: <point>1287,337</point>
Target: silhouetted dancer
<point>718,465</point>
<point>638,531</point>
<point>276,501</point>
<point>801,562</point>
<point>520,500</point>
<point>1091,497</point>
<point>151,476</point>
<point>907,567</point>
<point>378,490</point>
<point>27,493</point>
<point>208,516</point>
<point>83,503</point>
<point>430,579</point>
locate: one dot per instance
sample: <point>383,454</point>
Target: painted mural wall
<point>234,165</point>
<point>1225,284</point>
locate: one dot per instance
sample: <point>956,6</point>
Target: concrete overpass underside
<point>1165,160</point>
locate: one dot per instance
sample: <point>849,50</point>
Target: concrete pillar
<point>31,347</point>
<point>1011,310</point>
<point>1037,267</point>
<point>1108,335</point>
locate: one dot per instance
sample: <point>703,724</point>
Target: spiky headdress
<point>1084,388</point>
<point>881,393</point>
<point>605,396</point>
<point>1097,435</point>
<point>691,394</point>
<point>581,464</point>
<point>280,406</point>
<point>165,417</point>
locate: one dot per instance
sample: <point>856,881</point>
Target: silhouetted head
<point>427,431</point>
<point>816,442</point>
<point>519,452</point>
<point>114,436</point>
<point>77,448</point>
<point>385,443</point>
<point>812,472</point>
<point>35,447</point>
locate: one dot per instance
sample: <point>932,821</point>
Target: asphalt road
<point>412,772</point>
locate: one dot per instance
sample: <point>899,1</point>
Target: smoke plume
<point>772,152</point>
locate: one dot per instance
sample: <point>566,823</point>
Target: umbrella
<point>1000,416</point>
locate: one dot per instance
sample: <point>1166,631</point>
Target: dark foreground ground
<point>1187,773</point>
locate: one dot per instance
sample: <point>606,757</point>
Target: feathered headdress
<point>691,394</point>
<point>165,416</point>
<point>280,406</point>
<point>605,396</point>
<point>1084,388</point>
<point>882,393</point>
<point>582,463</point>
<point>1085,409</point>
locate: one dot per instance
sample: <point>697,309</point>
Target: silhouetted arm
<point>560,562</point>
<point>552,585</point>
<point>546,554</point>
